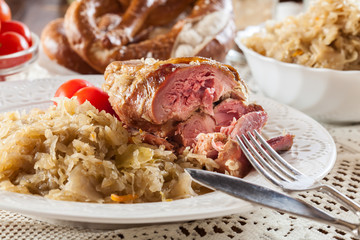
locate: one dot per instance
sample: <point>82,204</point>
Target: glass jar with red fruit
<point>18,45</point>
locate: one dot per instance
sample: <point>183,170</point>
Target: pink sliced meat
<point>281,143</point>
<point>188,130</point>
<point>248,122</point>
<point>231,159</point>
<point>156,95</point>
<point>188,102</point>
<point>227,110</point>
<point>187,89</point>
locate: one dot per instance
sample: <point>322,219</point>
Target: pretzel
<point>202,27</point>
<point>56,46</point>
<point>97,32</point>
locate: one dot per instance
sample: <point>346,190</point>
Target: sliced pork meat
<point>228,155</point>
<point>188,130</point>
<point>154,95</point>
<point>247,122</point>
<point>281,143</point>
<point>194,103</point>
<point>227,110</point>
<point>223,148</point>
<point>232,161</point>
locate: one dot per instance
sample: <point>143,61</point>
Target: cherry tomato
<point>69,88</point>
<point>11,42</point>
<point>96,97</point>
<point>5,13</point>
<point>84,90</point>
<point>18,27</point>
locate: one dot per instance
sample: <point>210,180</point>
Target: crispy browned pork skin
<point>156,95</point>
<point>188,102</point>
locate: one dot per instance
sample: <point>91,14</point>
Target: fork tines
<point>265,159</point>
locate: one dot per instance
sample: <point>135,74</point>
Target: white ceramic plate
<point>313,152</point>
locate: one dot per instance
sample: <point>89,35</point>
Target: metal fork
<point>276,169</point>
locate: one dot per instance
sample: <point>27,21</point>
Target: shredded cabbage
<point>74,152</point>
<point>327,35</point>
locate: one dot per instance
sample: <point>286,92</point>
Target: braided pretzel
<point>202,27</point>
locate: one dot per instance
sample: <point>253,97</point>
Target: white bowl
<point>325,94</point>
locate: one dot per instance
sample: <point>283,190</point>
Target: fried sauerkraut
<point>327,35</point>
<point>74,152</point>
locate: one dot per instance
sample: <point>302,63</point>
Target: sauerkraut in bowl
<point>327,35</point>
<point>310,61</point>
<point>74,152</point>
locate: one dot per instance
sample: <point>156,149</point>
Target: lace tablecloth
<point>255,223</point>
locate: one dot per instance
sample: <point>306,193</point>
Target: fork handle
<point>331,191</point>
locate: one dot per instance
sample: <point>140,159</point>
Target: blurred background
<point>37,13</point>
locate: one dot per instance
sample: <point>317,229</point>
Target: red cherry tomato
<point>18,27</point>
<point>5,13</point>
<point>11,42</point>
<point>69,88</point>
<point>84,90</point>
<point>96,97</point>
